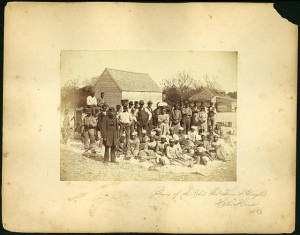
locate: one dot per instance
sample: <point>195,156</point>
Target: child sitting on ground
<point>133,146</point>
<point>121,146</point>
<point>201,155</point>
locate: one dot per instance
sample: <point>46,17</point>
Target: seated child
<point>218,130</point>
<point>133,145</point>
<point>171,134</point>
<point>161,148</point>
<point>157,134</point>
<point>201,155</point>
<point>143,139</point>
<point>215,150</point>
<point>121,146</point>
<point>181,135</point>
<point>188,145</point>
<point>192,133</point>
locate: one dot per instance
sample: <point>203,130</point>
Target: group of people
<point>184,134</point>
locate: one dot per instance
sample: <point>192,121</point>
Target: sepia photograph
<point>148,116</point>
<point>118,117</point>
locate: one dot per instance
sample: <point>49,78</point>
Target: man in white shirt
<point>91,102</point>
<point>125,120</point>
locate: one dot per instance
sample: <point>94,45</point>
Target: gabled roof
<point>208,94</point>
<point>131,81</point>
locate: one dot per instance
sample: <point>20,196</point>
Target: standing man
<point>130,106</point>
<point>202,106</point>
<point>91,102</point>
<point>150,124</point>
<point>89,124</point>
<point>101,101</point>
<point>118,109</point>
<point>143,117</point>
<point>125,119</point>
<point>66,127</point>
<point>110,135</point>
<point>202,120</point>
<point>175,118</point>
<point>211,115</point>
<point>186,117</point>
<point>134,111</point>
<point>100,122</point>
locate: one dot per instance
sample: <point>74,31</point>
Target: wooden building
<point>118,85</point>
<point>223,102</point>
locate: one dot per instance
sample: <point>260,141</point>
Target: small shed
<point>118,85</point>
<point>223,102</point>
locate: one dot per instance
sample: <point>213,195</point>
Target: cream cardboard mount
<point>261,200</point>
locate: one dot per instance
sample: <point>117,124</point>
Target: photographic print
<point>148,115</point>
<point>119,117</point>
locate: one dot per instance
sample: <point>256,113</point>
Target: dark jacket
<point>110,131</point>
<point>100,123</point>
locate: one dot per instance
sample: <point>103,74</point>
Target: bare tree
<point>212,82</point>
<point>184,82</point>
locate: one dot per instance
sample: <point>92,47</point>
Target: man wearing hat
<point>143,117</point>
<point>186,117</point>
<point>150,124</point>
<point>125,120</point>
<point>89,124</point>
<point>175,118</point>
<point>110,135</point>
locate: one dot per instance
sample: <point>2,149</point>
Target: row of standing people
<point>141,119</point>
<point>146,117</point>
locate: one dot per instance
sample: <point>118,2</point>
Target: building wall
<point>111,91</point>
<point>146,96</point>
<point>224,105</point>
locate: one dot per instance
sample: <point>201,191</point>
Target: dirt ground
<point>75,167</point>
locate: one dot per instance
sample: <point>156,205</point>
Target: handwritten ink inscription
<point>229,197</point>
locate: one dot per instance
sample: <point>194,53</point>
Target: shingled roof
<point>208,94</point>
<point>131,81</point>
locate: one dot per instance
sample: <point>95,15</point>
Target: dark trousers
<point>93,109</point>
<point>149,127</point>
<point>141,125</point>
<point>125,128</point>
<point>186,124</point>
<point>210,121</point>
<point>112,153</point>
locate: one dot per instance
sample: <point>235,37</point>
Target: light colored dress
<point>163,123</point>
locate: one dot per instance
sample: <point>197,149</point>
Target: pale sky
<point>158,64</point>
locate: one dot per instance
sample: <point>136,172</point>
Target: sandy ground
<point>75,167</point>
